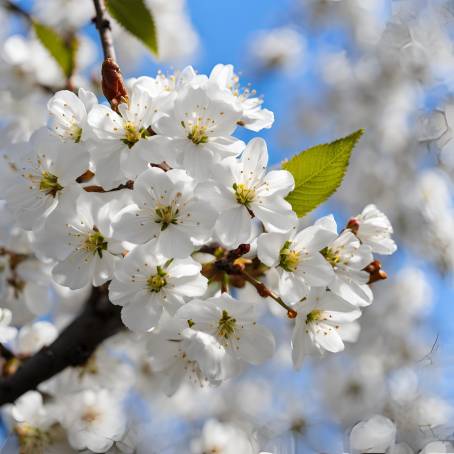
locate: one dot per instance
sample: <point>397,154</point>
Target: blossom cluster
<point>158,201</point>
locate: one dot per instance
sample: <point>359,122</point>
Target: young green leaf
<point>63,51</point>
<point>137,19</point>
<point>318,172</point>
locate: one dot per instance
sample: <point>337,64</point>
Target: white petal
<point>269,246</point>
<point>256,344</point>
<point>233,226</point>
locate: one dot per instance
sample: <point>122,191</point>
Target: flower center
<point>90,415</point>
<point>96,242</point>
<point>313,316</point>
<point>198,133</point>
<point>331,256</point>
<point>49,184</point>
<point>166,215</point>
<point>32,439</point>
<point>75,132</point>
<point>133,135</point>
<point>243,194</point>
<point>289,259</point>
<point>226,325</point>
<point>157,281</point>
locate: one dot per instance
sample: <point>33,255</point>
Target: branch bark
<point>99,320</point>
<point>16,9</point>
<point>103,26</point>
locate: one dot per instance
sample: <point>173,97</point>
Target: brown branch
<point>103,25</point>
<point>16,9</point>
<point>99,320</point>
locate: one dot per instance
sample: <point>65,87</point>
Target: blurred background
<point>325,68</point>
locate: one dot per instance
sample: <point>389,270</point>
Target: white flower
<point>222,438</point>
<point>26,286</point>
<point>35,336</point>
<point>31,420</point>
<point>319,325</point>
<point>68,114</point>
<point>234,324</point>
<point>29,409</point>
<point>121,137</point>
<point>178,353</point>
<point>297,259</point>
<point>373,228</point>
<point>438,447</point>
<point>279,48</point>
<point>376,434</point>
<point>196,132</point>
<point>45,176</point>
<point>243,190</point>
<point>95,422</point>
<point>166,207</point>
<point>80,241</point>
<point>103,370</point>
<point>253,117</point>
<point>7,333</point>
<point>145,283</point>
<point>348,257</point>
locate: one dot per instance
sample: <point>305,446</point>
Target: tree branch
<point>99,320</point>
<point>16,9</point>
<point>103,25</point>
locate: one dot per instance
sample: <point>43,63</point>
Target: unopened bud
<point>291,314</point>
<point>353,225</point>
<point>239,251</point>
<point>375,272</point>
<point>113,85</point>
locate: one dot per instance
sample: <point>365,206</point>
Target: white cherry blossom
<point>33,337</point>
<point>81,243</point>
<point>243,190</point>
<point>319,325</point>
<point>233,323</point>
<point>121,138</point>
<point>377,434</point>
<point>68,114</point>
<point>197,131</point>
<point>254,116</point>
<point>373,228</point>
<point>45,175</point>
<point>145,283</point>
<point>348,258</point>
<point>7,332</point>
<point>297,258</point>
<point>167,207</point>
<point>95,421</point>
<point>178,353</point>
<point>222,438</point>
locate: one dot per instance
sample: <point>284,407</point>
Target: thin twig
<point>16,9</point>
<point>103,25</point>
<point>264,291</point>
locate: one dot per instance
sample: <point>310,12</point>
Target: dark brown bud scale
<point>113,85</point>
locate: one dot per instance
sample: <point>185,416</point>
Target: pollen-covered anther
<point>96,242</point>
<point>157,281</point>
<point>198,134</point>
<point>49,184</point>
<point>289,258</point>
<point>226,325</point>
<point>243,194</point>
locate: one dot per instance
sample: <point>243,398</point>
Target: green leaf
<point>63,51</point>
<point>137,19</point>
<point>318,172</point>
